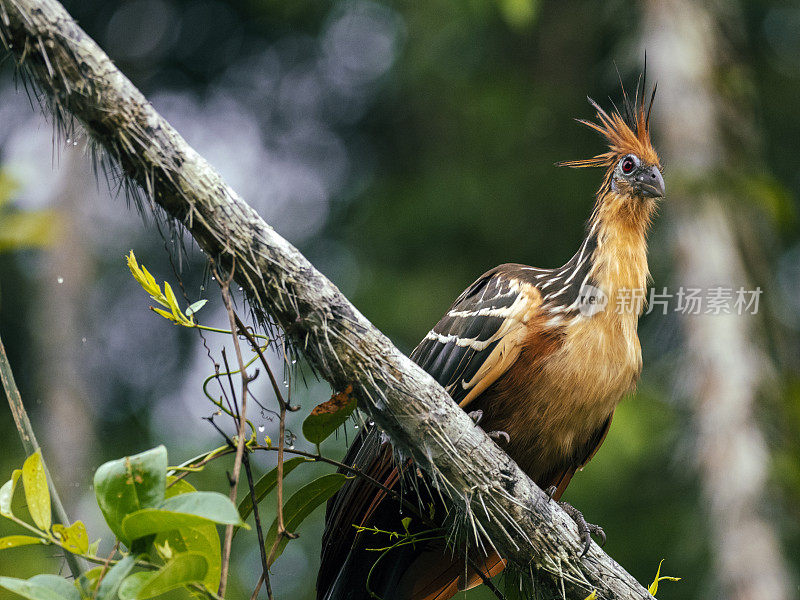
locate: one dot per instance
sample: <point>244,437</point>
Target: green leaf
<point>37,494</point>
<point>130,484</point>
<point>111,582</point>
<point>328,416</point>
<point>129,589</point>
<point>13,541</point>
<point>266,484</point>
<point>195,306</point>
<point>300,505</point>
<point>186,568</point>
<point>203,539</point>
<point>41,587</point>
<point>184,510</point>
<point>7,492</point>
<point>199,540</point>
<point>74,537</point>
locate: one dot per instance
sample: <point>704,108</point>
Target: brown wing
<point>481,335</point>
<point>476,341</point>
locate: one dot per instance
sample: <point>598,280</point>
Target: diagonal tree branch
<point>76,79</point>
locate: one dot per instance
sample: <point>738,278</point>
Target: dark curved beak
<point>651,183</point>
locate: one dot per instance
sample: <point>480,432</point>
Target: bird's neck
<point>618,230</point>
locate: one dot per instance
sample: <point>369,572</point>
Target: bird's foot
<point>477,415</point>
<point>499,435</point>
<point>551,491</point>
<point>585,529</point>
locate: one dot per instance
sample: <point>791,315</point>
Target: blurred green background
<point>405,148</point>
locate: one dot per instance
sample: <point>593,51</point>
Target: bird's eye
<point>628,164</point>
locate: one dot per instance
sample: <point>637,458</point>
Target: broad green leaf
<point>7,492</point>
<point>176,487</point>
<point>328,416</point>
<point>111,582</point>
<point>300,505</point>
<point>130,484</point>
<point>129,589</point>
<point>203,539</point>
<point>37,493</point>
<point>13,541</point>
<point>184,510</point>
<point>211,505</point>
<point>74,537</point>
<point>186,568</point>
<point>266,484</point>
<point>41,587</point>
<point>195,306</point>
<point>199,540</point>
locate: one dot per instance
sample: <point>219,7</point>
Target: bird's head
<point>633,170</point>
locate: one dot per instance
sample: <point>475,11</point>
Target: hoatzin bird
<point>542,356</point>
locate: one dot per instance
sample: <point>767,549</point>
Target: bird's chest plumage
<point>552,407</point>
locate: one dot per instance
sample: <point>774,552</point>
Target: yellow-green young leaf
<point>7,492</point>
<point>74,537</point>
<point>592,596</point>
<point>167,315</point>
<point>300,505</point>
<point>13,541</point>
<point>145,279</point>
<point>172,302</point>
<point>654,586</point>
<point>37,494</point>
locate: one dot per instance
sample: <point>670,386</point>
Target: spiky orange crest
<point>627,133</point>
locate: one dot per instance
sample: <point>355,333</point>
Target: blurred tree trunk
<point>62,303</point>
<point>725,365</point>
